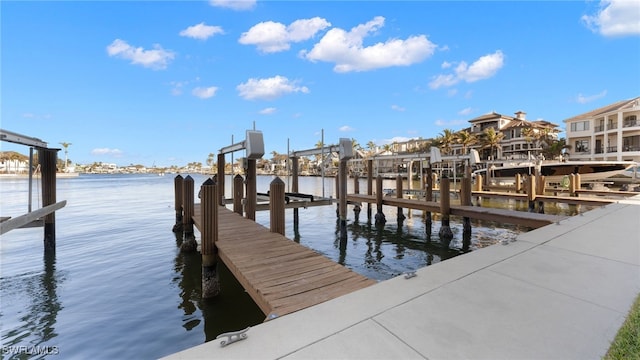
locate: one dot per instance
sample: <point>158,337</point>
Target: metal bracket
<point>410,274</point>
<point>233,336</point>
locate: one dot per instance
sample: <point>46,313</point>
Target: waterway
<point>118,286</point>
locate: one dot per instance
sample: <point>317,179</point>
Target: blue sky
<point>167,83</point>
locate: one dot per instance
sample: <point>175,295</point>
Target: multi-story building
<point>611,132</point>
<point>520,137</point>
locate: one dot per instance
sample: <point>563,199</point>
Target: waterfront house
<point>611,132</point>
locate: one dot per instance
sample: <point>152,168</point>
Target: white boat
<point>555,171</point>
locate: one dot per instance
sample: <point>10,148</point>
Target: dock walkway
<point>558,292</point>
<point>530,219</point>
<point>280,275</point>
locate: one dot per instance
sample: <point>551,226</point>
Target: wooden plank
<point>27,218</point>
<point>273,268</point>
<point>533,220</point>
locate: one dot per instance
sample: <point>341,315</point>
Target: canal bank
<point>561,291</point>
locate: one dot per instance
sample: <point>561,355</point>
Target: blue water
<point>118,286</point>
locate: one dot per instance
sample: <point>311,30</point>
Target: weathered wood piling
<point>276,206</point>
<point>380,218</point>
<point>209,236</point>
<point>399,194</point>
<point>445,232</point>
<point>428,196</point>
<point>177,187</point>
<point>48,159</point>
<point>189,244</point>
<point>238,194</point>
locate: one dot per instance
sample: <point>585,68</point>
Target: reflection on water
<point>119,287</point>
<point>34,296</point>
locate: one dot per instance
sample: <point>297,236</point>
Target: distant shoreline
<point>26,176</point>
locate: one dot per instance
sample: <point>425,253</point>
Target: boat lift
<point>44,216</point>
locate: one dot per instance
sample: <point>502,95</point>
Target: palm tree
<point>445,140</point>
<point>387,147</point>
<point>529,134</point>
<point>65,145</point>
<point>466,139</point>
<point>556,148</point>
<point>491,139</point>
<point>372,147</point>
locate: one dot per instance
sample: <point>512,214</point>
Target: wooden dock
<point>280,275</point>
<point>533,220</point>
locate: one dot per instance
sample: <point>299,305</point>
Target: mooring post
<point>572,185</point>
<point>518,183</point>
<point>380,218</point>
<point>369,185</point>
<point>578,184</point>
<point>337,188</point>
<point>252,192</point>
<point>238,194</point>
<point>540,190</point>
<point>343,199</point>
<point>209,236</point>
<point>399,195</point>
<point>356,190</point>
<point>465,200</point>
<point>531,192</point>
<point>276,206</point>
<point>189,243</point>
<point>294,183</point>
<point>48,159</point>
<point>177,187</point>
<point>445,209</point>
<point>428,196</point>
<point>220,180</point>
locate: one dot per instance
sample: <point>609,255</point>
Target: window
<point>580,126</point>
<point>630,120</point>
<point>582,146</point>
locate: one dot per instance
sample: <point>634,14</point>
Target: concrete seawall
<point>559,292</point>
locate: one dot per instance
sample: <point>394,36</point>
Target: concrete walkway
<point>558,292</point>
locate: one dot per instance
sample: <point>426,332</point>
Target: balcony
<point>599,128</point>
<point>612,126</point>
<point>628,148</point>
<point>599,150</point>
<point>612,149</point>
<point>630,123</point>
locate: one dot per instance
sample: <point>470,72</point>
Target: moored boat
<point>555,171</point>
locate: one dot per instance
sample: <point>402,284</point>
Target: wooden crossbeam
<point>27,218</point>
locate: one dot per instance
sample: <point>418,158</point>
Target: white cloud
<point>397,108</point>
<point>396,139</point>
<point>106,151</point>
<point>267,111</point>
<point>583,99</point>
<point>270,36</point>
<point>269,88</point>
<point>446,65</point>
<point>36,116</point>
<point>615,18</point>
<point>346,128</point>
<point>204,92</point>
<point>234,4</point>
<point>483,68</point>
<point>201,31</point>
<point>347,51</point>
<point>465,111</point>
<point>156,59</point>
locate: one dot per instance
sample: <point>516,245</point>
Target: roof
<point>490,116</point>
<point>615,107</point>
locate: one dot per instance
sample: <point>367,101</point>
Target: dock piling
<point>428,196</point>
<point>238,194</point>
<point>465,199</point>
<point>445,232</point>
<point>251,193</point>
<point>209,236</point>
<point>189,244</point>
<point>48,159</point>
<point>220,179</point>
<point>343,199</point>
<point>399,193</point>
<point>531,192</point>
<point>369,185</point>
<point>276,206</point>
<point>177,186</point>
<point>380,218</point>
<point>356,190</point>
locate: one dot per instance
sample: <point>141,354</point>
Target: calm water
<point>118,287</point>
